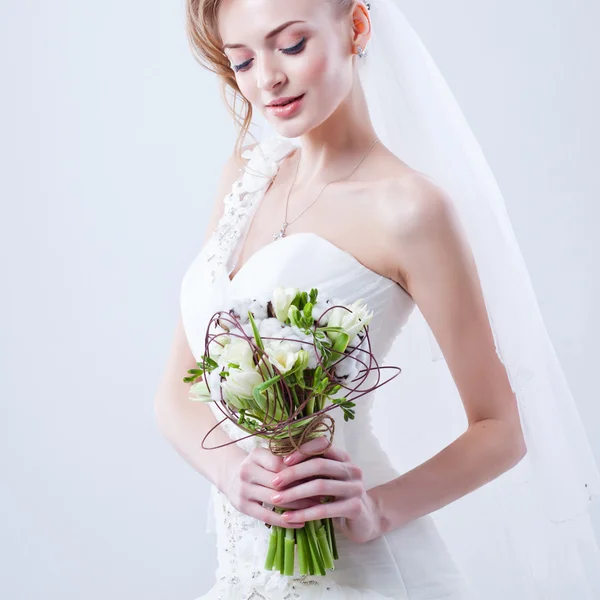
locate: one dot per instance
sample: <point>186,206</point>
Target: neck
<point>330,150</point>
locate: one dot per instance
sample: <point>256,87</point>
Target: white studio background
<point>111,139</point>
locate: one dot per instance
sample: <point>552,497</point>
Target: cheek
<point>316,70</point>
<point>321,76</point>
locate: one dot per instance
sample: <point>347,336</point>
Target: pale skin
<point>397,223</point>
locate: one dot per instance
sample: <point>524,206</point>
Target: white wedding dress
<point>410,563</point>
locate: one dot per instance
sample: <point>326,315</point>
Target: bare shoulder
<point>409,207</point>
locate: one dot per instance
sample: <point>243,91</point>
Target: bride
<point>366,182</point>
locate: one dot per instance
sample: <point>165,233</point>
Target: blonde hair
<point>207,49</point>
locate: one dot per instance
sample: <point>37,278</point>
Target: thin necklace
<point>285,224</point>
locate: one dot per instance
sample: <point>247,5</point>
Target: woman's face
<point>311,58</point>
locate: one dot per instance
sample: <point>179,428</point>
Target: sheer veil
<point>527,534</point>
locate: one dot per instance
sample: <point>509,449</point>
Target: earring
<point>361,53</point>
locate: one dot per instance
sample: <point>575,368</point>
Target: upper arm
<point>441,275</point>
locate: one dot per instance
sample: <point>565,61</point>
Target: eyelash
<point>293,50</point>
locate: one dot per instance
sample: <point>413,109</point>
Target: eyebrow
<point>268,36</point>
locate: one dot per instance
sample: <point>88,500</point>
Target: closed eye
<point>293,50</point>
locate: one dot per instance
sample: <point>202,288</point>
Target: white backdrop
<point>110,139</point>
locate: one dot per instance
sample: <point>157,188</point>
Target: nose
<point>269,75</point>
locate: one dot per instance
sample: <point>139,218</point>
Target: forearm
<point>184,424</point>
<point>482,453</point>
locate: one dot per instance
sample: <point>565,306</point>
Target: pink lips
<point>287,110</point>
<point>282,101</point>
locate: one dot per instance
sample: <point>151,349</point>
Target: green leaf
<point>257,337</point>
<point>341,342</point>
<point>308,310</point>
<point>210,362</point>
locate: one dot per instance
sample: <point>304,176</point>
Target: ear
<point>361,24</point>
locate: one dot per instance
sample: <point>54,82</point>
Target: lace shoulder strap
<point>241,201</point>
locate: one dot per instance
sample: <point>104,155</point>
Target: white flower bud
<point>239,352</point>
<point>199,392</point>
<point>239,386</point>
<point>351,319</point>
<point>282,300</point>
<point>283,355</point>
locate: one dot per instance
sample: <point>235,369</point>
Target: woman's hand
<point>331,474</point>
<point>250,484</point>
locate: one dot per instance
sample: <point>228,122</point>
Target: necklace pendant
<point>281,232</point>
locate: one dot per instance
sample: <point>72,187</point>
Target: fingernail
<point>288,460</point>
<point>276,480</point>
<point>276,497</point>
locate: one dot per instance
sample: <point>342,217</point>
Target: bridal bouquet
<point>276,369</point>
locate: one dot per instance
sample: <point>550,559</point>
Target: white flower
<point>283,355</point>
<point>217,345</point>
<point>282,300</point>
<point>239,385</point>
<point>352,321</point>
<point>239,352</point>
<point>214,381</point>
<point>199,392</point>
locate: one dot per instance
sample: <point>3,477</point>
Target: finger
<point>314,446</point>
<point>348,507</point>
<point>255,474</point>
<point>259,493</point>
<point>318,488</point>
<point>270,516</point>
<point>267,460</point>
<point>316,467</point>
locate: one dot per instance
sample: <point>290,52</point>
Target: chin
<point>289,129</point>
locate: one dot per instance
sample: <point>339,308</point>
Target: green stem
<point>295,397</point>
<point>302,551</point>
<point>320,403</point>
<point>280,555</point>
<point>290,544</point>
<point>324,547</point>
<point>310,561</point>
<point>314,547</point>
<point>333,541</point>
<point>327,533</point>
<point>270,561</point>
